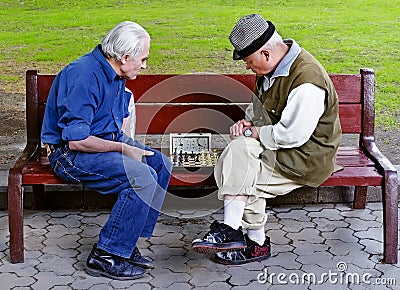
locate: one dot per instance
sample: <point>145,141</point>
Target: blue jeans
<point>141,188</point>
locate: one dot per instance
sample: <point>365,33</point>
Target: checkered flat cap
<point>250,33</point>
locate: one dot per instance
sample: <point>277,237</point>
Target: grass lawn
<point>192,36</point>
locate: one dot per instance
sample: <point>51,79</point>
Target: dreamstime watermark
<point>338,277</point>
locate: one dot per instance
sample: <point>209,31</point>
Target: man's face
<point>130,68</point>
<point>258,62</point>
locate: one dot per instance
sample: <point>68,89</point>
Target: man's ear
<point>125,58</point>
<point>265,53</point>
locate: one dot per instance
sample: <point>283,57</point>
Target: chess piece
<point>180,158</point>
<point>202,158</point>
<point>197,160</point>
<point>208,159</point>
<point>215,157</point>
<point>175,157</point>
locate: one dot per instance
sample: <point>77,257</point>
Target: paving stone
<point>174,286</point>
<point>170,239</point>
<point>33,239</point>
<point>204,277</point>
<point>61,288</point>
<point>176,264</point>
<point>3,222</point>
<point>85,281</point>
<point>372,246</point>
<point>294,226</point>
<point>27,269</point>
<point>287,261</point>
<point>278,237</point>
<point>69,221</point>
<point>272,226</point>
<point>10,280</point>
<point>58,231</point>
<point>134,286</point>
<point>326,225</point>
<point>305,248</point>
<point>342,248</point>
<point>310,235</point>
<point>297,214</point>
<point>164,277</point>
<point>36,222</point>
<point>164,251</point>
<point>97,220</point>
<point>241,276</point>
<point>364,214</point>
<point>328,213</point>
<point>217,286</point>
<point>360,259</point>
<point>58,265</point>
<point>277,248</point>
<point>161,229</point>
<point>323,259</point>
<point>346,235</point>
<point>358,224</point>
<point>370,233</point>
<point>57,251</point>
<point>89,231</point>
<point>65,242</point>
<point>48,280</point>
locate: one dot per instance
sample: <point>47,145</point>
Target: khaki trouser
<point>240,171</point>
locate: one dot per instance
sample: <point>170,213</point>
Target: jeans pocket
<point>63,172</point>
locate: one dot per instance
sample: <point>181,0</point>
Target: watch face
<point>189,142</point>
<point>248,132</point>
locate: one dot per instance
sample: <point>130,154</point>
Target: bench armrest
<point>381,161</point>
<point>29,151</point>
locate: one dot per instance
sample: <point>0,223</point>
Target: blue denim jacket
<point>87,98</point>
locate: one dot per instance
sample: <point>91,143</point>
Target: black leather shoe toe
<point>137,259</point>
<point>101,263</point>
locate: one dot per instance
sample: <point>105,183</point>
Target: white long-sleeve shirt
<point>305,105</point>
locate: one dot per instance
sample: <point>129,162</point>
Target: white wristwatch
<point>248,132</point>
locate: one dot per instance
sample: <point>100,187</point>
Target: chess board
<point>195,160</point>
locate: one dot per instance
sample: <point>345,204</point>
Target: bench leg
<point>39,196</point>
<point>360,197</point>
<point>16,217</point>
<point>390,218</point>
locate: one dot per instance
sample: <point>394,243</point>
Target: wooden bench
<point>211,103</point>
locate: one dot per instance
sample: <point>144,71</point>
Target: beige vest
<point>312,163</point>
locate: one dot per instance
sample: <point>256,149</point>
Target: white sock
<point>257,236</point>
<point>233,212</point>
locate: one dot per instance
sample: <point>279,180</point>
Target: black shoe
<point>253,252</point>
<point>221,237</point>
<point>101,263</point>
<point>137,259</point>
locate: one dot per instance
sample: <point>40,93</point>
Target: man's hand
<point>134,152</point>
<point>238,128</point>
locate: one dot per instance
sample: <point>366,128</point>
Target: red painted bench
<point>211,103</point>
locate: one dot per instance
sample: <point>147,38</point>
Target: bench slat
<point>355,176</point>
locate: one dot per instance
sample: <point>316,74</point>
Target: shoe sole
<point>98,273</point>
<point>144,266</point>
<point>240,262</point>
<point>212,248</point>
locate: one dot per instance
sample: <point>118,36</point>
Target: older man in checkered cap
<point>288,139</point>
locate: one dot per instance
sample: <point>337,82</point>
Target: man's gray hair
<point>126,38</point>
<point>273,41</point>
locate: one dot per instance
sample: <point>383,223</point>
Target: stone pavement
<point>313,247</point>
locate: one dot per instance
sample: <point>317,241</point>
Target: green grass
<point>191,36</point>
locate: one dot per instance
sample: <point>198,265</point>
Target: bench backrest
<point>206,102</point>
